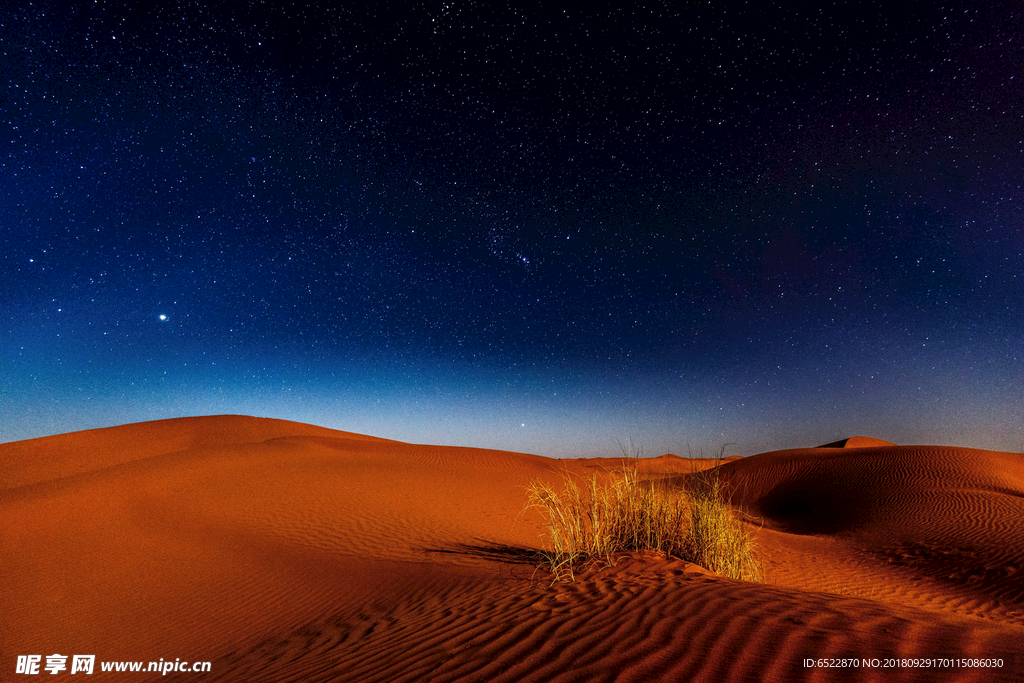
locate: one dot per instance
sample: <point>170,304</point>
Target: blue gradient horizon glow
<point>543,411</point>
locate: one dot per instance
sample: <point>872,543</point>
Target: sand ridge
<point>286,552</point>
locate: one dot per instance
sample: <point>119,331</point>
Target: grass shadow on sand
<point>494,552</point>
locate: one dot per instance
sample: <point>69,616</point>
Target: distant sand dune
<point>286,552</point>
<point>857,442</point>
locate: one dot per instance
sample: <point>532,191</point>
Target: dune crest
<point>282,551</point>
<point>858,442</point>
<point>53,457</point>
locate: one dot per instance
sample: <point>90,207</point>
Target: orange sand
<point>285,552</point>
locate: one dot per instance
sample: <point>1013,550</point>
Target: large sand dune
<point>285,552</point>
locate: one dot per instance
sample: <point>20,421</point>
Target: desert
<point>563,342</point>
<point>281,551</point>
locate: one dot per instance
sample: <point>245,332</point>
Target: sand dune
<point>857,442</point>
<point>285,552</point>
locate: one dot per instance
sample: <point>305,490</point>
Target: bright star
<point>163,317</point>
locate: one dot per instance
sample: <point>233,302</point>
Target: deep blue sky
<point>545,229</point>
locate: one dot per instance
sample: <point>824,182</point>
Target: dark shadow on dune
<point>858,442</point>
<point>495,552</point>
<point>835,444</point>
<point>807,506</point>
<point>806,502</point>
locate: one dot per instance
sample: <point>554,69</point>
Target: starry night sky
<point>548,229</point>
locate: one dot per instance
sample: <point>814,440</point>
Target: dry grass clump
<point>591,520</point>
<point>718,540</point>
<point>594,519</point>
